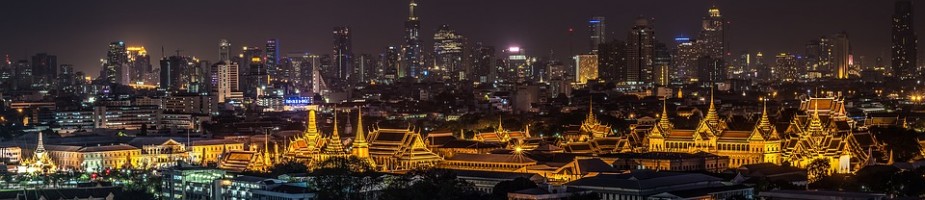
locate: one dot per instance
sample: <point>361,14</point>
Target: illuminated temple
<point>823,131</point>
<point>40,162</point>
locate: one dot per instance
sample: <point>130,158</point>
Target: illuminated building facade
<point>448,50</point>
<point>501,135</point>
<point>139,62</point>
<point>94,158</point>
<point>225,82</point>
<point>712,135</point>
<point>586,68</point>
<point>205,152</point>
<point>343,53</point>
<point>823,131</point>
<point>114,65</point>
<point>400,150</point>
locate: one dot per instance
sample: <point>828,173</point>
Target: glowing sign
<point>682,39</point>
<point>297,100</point>
<point>517,57</point>
<point>595,21</point>
<point>513,49</point>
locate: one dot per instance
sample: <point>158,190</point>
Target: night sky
<point>78,32</point>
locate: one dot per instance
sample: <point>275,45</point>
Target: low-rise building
<point>646,183</point>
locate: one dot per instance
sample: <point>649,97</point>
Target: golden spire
<point>764,122</point>
<point>590,119</point>
<point>40,148</point>
<point>311,127</point>
<point>360,136</point>
<point>712,117</point>
<point>663,120</point>
<point>334,133</point>
<point>500,127</point>
<point>815,124</point>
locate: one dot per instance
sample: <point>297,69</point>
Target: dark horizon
<point>78,32</point>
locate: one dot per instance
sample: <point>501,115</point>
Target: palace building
<point>823,131</point>
<point>400,150</point>
<point>712,135</point>
<point>501,135</point>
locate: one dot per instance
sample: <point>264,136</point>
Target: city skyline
<point>529,26</point>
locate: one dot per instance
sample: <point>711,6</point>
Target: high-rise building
<point>586,68</point>
<point>140,64</point>
<point>225,81</point>
<point>448,50</point>
<point>172,69</point>
<point>114,65</point>
<point>661,64</point>
<point>712,38</point>
<point>710,69</point>
<point>841,54</point>
<point>598,30</point>
<point>483,62</point>
<point>685,59</point>
<point>272,58</point>
<point>786,68</point>
<point>412,59</point>
<point>363,68</point>
<point>44,69</point>
<point>612,61</point>
<point>224,50</point>
<point>904,51</point>
<point>517,66</point>
<point>343,53</point>
<point>390,63</point>
<point>640,53</point>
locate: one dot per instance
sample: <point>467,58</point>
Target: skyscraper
<point>841,54</point>
<point>598,32</point>
<point>448,50</point>
<point>343,53</point>
<point>640,53</point>
<point>272,58</point>
<point>140,64</point>
<point>390,63</point>
<point>44,68</point>
<point>612,60</point>
<point>224,50</point>
<point>113,67</point>
<point>225,81</point>
<point>411,50</point>
<point>904,49</point>
<point>483,62</point>
<point>586,68</point>
<point>712,39</point>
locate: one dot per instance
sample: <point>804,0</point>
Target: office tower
<point>612,61</point>
<point>710,69</point>
<point>483,62</point>
<point>448,50</point>
<point>786,68</point>
<point>661,63</point>
<point>66,79</point>
<point>412,60</point>
<point>44,69</point>
<point>685,59</point>
<point>171,70</point>
<point>363,68</point>
<point>343,53</point>
<point>225,80</point>
<point>712,38</point>
<point>640,53</point>
<point>819,58</point>
<point>517,67</point>
<point>256,80</point>
<point>224,50</point>
<point>390,63</point>
<point>904,52</point>
<point>272,58</point>
<point>140,64</point>
<point>585,68</point>
<point>22,75</point>
<point>247,55</point>
<point>113,67</point>
<point>598,30</point>
<point>841,54</point>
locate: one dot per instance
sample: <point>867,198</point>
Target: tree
<point>501,189</point>
<point>343,178</point>
<point>429,184</point>
<point>817,170</point>
<point>144,130</point>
